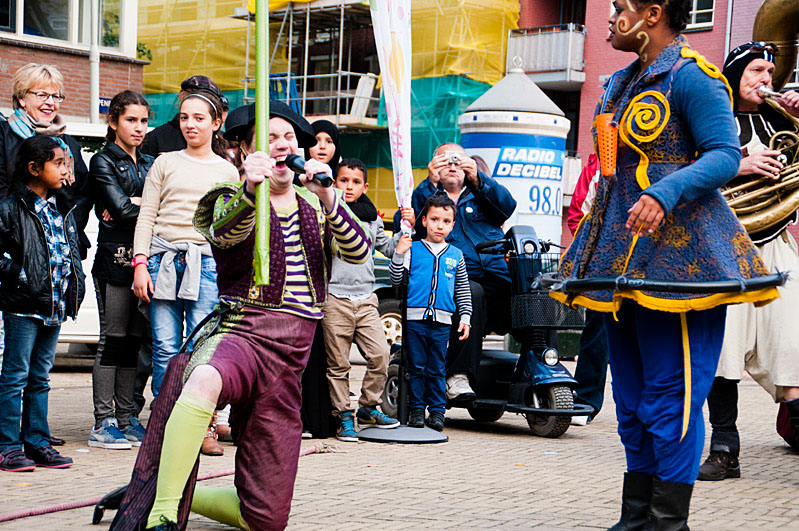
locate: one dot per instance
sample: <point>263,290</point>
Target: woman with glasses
<point>37,91</point>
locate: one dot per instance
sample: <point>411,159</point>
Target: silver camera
<point>453,157</point>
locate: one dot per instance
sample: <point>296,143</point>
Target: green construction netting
<point>436,104</point>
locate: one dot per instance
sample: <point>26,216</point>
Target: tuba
<point>761,203</point>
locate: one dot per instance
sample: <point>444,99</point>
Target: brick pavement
<point>486,476</point>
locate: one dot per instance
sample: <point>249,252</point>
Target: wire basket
<point>538,309</point>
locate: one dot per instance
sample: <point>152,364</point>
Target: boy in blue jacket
<point>438,286</point>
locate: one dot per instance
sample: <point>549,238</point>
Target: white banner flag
<point>391,21</point>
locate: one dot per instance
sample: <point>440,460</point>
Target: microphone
<point>297,165</point>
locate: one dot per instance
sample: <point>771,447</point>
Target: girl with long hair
<point>173,267</point>
<point>117,174</point>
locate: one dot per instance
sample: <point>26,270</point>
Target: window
<point>793,80</point>
<point>7,17</point>
<point>46,18</point>
<point>68,21</point>
<point>701,15</point>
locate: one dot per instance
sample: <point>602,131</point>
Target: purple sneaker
<point>14,460</point>
<point>48,457</point>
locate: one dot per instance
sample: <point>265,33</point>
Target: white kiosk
<point>521,134</point>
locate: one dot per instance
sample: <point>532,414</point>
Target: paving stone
<point>486,476</point>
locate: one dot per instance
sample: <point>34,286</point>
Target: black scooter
<point>533,383</point>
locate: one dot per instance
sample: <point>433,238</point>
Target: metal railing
<point>319,93</point>
<point>548,48</point>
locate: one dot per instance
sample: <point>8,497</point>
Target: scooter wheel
<point>551,397</point>
<point>390,405</point>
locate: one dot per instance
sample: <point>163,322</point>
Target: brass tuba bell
<point>764,202</point>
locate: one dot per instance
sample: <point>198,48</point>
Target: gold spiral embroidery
<point>650,119</point>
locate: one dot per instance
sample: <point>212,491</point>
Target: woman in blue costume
<point>660,216</point>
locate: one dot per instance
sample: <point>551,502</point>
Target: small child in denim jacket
<point>438,286</point>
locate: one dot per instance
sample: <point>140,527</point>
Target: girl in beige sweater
<point>174,270</point>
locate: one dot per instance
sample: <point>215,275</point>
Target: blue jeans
<point>425,361</point>
<point>167,317</point>
<point>28,358</point>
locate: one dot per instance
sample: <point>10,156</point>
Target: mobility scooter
<point>533,383</point>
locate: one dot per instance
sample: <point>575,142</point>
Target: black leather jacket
<point>115,178</point>
<point>23,245</point>
<point>79,192</point>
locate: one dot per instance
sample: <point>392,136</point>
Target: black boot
<point>635,496</point>
<point>792,407</point>
<point>669,506</point>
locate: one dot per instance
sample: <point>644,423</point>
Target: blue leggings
<point>662,437</point>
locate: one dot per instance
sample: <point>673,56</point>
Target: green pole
<point>262,215</point>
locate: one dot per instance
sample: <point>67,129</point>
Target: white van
<point>85,328</point>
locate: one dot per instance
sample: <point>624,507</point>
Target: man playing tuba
<point>763,341</point>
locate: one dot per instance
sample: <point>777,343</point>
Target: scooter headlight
<point>551,357</point>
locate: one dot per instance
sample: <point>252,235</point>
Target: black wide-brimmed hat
<point>240,119</point>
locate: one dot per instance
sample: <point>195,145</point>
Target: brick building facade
<point>59,34</point>
<point>717,26</point>
<point>116,73</point>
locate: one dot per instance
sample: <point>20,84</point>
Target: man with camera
<point>482,206</point>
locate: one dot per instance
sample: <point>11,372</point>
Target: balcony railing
<point>548,48</point>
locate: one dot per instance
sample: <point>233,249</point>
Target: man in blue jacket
<point>483,205</point>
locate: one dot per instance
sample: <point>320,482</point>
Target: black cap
<point>203,83</point>
<point>739,58</point>
<point>241,118</point>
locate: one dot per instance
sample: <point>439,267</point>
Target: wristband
<point>138,260</point>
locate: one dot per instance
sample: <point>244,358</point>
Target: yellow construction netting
<point>450,37</point>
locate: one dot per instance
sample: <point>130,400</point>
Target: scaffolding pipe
<point>94,64</point>
<point>289,46</point>
<point>305,56</point>
<point>340,64</point>
<point>246,99</point>
<point>277,41</point>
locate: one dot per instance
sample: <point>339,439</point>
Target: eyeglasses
<point>766,49</point>
<point>44,96</point>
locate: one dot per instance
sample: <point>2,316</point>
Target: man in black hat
<point>763,341</point>
<point>253,356</point>
<point>167,137</point>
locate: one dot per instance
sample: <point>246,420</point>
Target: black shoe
<point>57,441</point>
<point>435,420</point>
<point>47,457</point>
<point>718,466</point>
<point>669,506</point>
<point>165,525</point>
<point>636,492</point>
<point>416,418</point>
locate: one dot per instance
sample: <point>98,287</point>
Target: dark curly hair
<point>678,11</point>
<point>117,108</point>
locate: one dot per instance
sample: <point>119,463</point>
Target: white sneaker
<point>579,421</point>
<point>458,388</point>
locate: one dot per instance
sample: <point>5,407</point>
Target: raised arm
<point>350,242</point>
<point>225,215</point>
